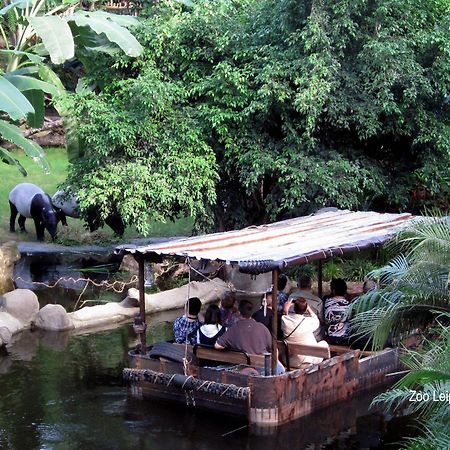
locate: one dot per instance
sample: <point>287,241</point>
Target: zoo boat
<point>244,385</point>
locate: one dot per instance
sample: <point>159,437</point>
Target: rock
<point>5,335</point>
<point>22,304</point>
<point>54,318</point>
<point>9,324</point>
<point>9,254</point>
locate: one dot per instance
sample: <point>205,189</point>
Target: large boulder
<point>5,335</point>
<point>8,326</point>
<point>22,304</point>
<point>54,318</point>
<point>9,254</point>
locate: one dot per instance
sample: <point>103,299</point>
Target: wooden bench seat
<point>204,353</point>
<point>286,351</point>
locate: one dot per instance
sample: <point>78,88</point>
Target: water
<point>64,391</point>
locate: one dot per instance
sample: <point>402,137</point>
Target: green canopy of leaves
<point>303,104</point>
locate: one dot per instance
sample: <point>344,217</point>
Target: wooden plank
<point>309,350</point>
<point>339,349</point>
<point>229,356</point>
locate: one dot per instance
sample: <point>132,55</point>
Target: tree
<point>33,30</point>
<point>304,104</point>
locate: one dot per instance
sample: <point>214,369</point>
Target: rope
<point>171,379</point>
<point>205,386</point>
<point>106,283</point>
<point>186,380</point>
<point>103,284</point>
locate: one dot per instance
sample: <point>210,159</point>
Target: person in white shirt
<point>298,328</point>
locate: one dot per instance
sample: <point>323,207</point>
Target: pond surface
<point>65,391</point>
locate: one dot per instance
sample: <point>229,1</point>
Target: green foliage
<point>302,104</point>
<point>33,30</point>
<point>413,284</point>
<point>428,374</point>
<point>148,161</point>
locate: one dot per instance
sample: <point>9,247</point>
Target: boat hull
<point>266,401</point>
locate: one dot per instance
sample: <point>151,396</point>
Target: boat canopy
<point>260,249</point>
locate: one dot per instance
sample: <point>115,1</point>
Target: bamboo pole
<point>320,279</point>
<point>141,285</point>
<point>275,274</point>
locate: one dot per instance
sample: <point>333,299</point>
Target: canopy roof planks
<point>264,248</point>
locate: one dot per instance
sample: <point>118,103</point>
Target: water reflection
<point>65,391</point>
<point>62,278</point>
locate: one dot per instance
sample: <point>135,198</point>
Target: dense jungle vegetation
<point>239,112</point>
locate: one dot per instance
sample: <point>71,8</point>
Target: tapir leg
<point>21,223</point>
<point>12,220</point>
<point>39,229</point>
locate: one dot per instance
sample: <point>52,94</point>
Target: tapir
<point>29,200</point>
<point>67,205</point>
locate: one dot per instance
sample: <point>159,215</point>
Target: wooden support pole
<point>141,285</point>
<point>319,279</point>
<point>275,274</point>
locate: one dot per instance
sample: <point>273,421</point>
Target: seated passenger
<point>337,315</point>
<point>208,333</point>
<point>298,328</point>
<point>264,314</point>
<point>185,327</point>
<point>305,291</point>
<point>247,335</point>
<point>304,283</point>
<point>228,310</point>
<point>282,296</point>
<point>369,285</point>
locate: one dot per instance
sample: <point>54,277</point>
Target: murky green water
<point>62,391</point>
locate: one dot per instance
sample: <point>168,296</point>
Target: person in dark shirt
<point>265,313</point>
<point>247,335</point>
<point>230,314</point>
<point>282,296</point>
<point>337,313</point>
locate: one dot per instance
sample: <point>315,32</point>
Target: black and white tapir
<point>67,205</point>
<point>29,200</point>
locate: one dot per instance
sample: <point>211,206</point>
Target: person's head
<point>300,305</point>
<point>245,308</point>
<point>228,301</point>
<point>282,281</point>
<point>304,282</point>
<point>338,286</point>
<point>369,285</point>
<point>213,316</point>
<point>269,298</point>
<point>194,306</point>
